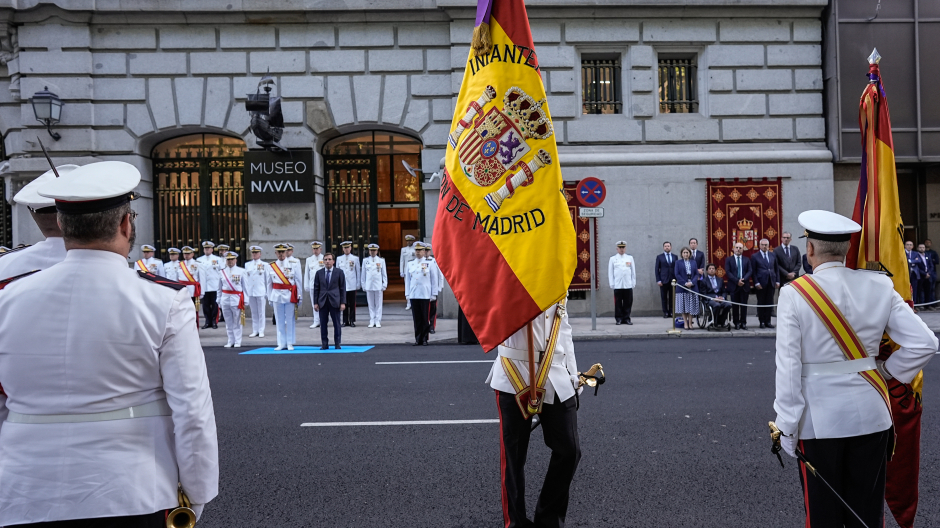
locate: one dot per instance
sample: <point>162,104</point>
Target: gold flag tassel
<point>243,317</point>
<point>295,312</point>
<point>482,42</point>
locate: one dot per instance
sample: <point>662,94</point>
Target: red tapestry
<point>582,274</point>
<point>742,211</point>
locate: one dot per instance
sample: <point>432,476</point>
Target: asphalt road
<point>677,437</point>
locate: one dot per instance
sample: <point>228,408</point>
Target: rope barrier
<point>926,304</point>
<point>727,301</point>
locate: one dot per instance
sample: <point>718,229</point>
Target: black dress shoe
<point>618,323</point>
<point>744,327</point>
<point>768,325</point>
<point>345,324</point>
<point>215,327</point>
<point>338,347</point>
<point>206,326</point>
<point>352,325</point>
<point>325,347</point>
<point>425,343</point>
<point>629,322</point>
<point>665,316</point>
<point>762,325</point>
<point>416,344</point>
<point>432,331</point>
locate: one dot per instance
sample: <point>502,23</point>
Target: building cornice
<point>673,154</point>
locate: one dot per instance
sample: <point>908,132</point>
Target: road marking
<point>415,422</point>
<point>308,350</point>
<point>431,362</point>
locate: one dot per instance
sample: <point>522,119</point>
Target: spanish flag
<point>503,234</point>
<point>880,246</point>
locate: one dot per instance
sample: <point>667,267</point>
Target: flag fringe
<point>482,42</point>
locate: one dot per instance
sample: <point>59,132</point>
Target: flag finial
<point>875,57</point>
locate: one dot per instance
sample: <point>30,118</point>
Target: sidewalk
<point>397,328</point>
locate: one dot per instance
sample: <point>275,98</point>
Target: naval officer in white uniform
<point>407,255</point>
<point>621,273</point>
<point>313,264</point>
<point>232,299</point>
<point>285,292</point>
<point>149,264</point>
<point>421,287</point>
<point>106,415</point>
<point>349,265</point>
<point>50,251</point>
<point>211,269</point>
<point>256,288</point>
<point>827,404</point>
<point>374,282</point>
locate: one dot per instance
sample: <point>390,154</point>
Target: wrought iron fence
<point>678,90</point>
<point>6,217</point>
<point>600,86</point>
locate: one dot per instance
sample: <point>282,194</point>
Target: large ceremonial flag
<point>880,246</point>
<point>503,235</point>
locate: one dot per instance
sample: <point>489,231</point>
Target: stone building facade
<point>134,74</point>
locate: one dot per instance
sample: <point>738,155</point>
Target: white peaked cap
<point>29,195</point>
<point>826,225</point>
<point>94,187</point>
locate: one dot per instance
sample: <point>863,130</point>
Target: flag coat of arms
<point>503,234</point>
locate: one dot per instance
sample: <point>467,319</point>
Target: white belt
<point>154,408</point>
<point>839,367</point>
<point>523,355</point>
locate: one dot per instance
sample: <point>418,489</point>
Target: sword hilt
<point>775,448</point>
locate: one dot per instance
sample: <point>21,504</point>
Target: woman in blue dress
<point>687,275</point>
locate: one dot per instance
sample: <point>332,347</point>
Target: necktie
<point>328,272</point>
<point>714,285</point>
<point>766,259</point>
<point>668,258</point>
<point>786,249</point>
<point>740,271</point>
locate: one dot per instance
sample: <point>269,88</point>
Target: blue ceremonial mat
<point>308,350</point>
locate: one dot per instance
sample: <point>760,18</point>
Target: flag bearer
<point>374,282</point>
<point>284,281</point>
<point>257,275</point>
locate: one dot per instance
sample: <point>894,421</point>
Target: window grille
<point>678,89</point>
<point>600,86</point>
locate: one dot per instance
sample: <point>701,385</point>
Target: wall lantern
<point>267,121</point>
<point>48,108</point>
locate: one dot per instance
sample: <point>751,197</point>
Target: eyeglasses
<point>134,215</point>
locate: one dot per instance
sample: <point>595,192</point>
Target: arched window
<point>198,192</point>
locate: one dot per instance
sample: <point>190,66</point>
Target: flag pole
<point>533,397</point>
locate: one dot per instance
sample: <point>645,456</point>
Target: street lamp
<point>48,108</point>
<point>267,121</point>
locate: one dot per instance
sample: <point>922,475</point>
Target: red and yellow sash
<point>190,281</point>
<point>845,336</point>
<point>143,267</point>
<point>233,291</point>
<point>286,283</point>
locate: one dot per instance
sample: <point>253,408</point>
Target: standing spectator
<point>329,296</point>
<point>788,259</point>
<point>687,276</point>
<point>313,264</point>
<point>349,265</point>
<point>739,271</point>
<point>622,276</point>
<point>665,273</point>
<point>697,256</point>
<point>374,282</point>
<point>766,281</point>
<point>257,275</point>
<point>714,287</point>
<point>925,291</point>
<point>915,266</point>
<point>932,256</point>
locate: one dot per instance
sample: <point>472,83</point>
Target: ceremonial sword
<point>775,448</point>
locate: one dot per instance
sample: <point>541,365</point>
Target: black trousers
<point>560,432</point>
<point>326,312</point>
<point>349,314</point>
<point>420,309</point>
<point>765,296</point>
<point>623,304</point>
<point>210,308</point>
<point>720,309</point>
<point>665,294</point>
<point>854,467</point>
<point>739,313</point>
<point>432,315</point>
<point>150,520</point>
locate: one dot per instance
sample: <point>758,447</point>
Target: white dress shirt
<point>374,274</point>
<point>349,264</point>
<point>123,341</point>
<point>621,272</point>
<point>257,274</point>
<point>39,256</point>
<point>843,405</point>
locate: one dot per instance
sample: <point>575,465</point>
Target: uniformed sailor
<point>222,251</point>
<point>285,294</point>
<point>313,264</point>
<point>211,266</point>
<point>621,273</point>
<point>50,251</point>
<point>407,255</point>
<point>172,267</point>
<point>257,275</point>
<point>108,415</point>
<point>192,275</point>
<point>374,282</point>
<point>432,306</point>
<point>349,264</point>
<point>832,398</point>
<point>421,287</point>
<point>232,298</point>
<point>559,420</point>
<point>149,264</point>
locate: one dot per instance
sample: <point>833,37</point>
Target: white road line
<point>430,362</point>
<point>416,422</point>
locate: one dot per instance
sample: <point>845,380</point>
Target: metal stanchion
<point>673,330</point>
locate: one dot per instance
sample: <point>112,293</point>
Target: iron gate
<point>6,217</point>
<point>350,195</point>
<point>199,193</point>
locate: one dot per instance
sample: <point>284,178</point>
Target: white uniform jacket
<point>299,266</point>
<point>313,265</point>
<point>421,279</point>
<point>621,272</point>
<point>292,272</point>
<point>407,255</point>
<point>563,366</point>
<point>40,256</point>
<point>198,273</point>
<point>172,270</point>
<point>374,274</point>
<point>154,265</point>
<point>233,279</point>
<point>257,275</point>
<point>350,266</point>
<point>211,266</point>
<point>121,341</point>
<point>843,405</point>
<point>440,275</point>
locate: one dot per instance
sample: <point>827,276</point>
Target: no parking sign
<point>591,192</point>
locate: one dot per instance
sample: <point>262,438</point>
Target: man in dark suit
<point>329,293</point>
<point>766,281</point>
<point>714,286</point>
<point>916,267</point>
<point>807,269</point>
<point>925,292</point>
<point>933,258</point>
<point>738,270</point>
<point>665,273</point>
<point>788,259</point>
<point>697,256</point>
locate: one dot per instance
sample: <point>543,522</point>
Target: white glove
<point>884,372</point>
<point>434,297</point>
<point>789,445</point>
<point>197,509</point>
<point>576,383</point>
